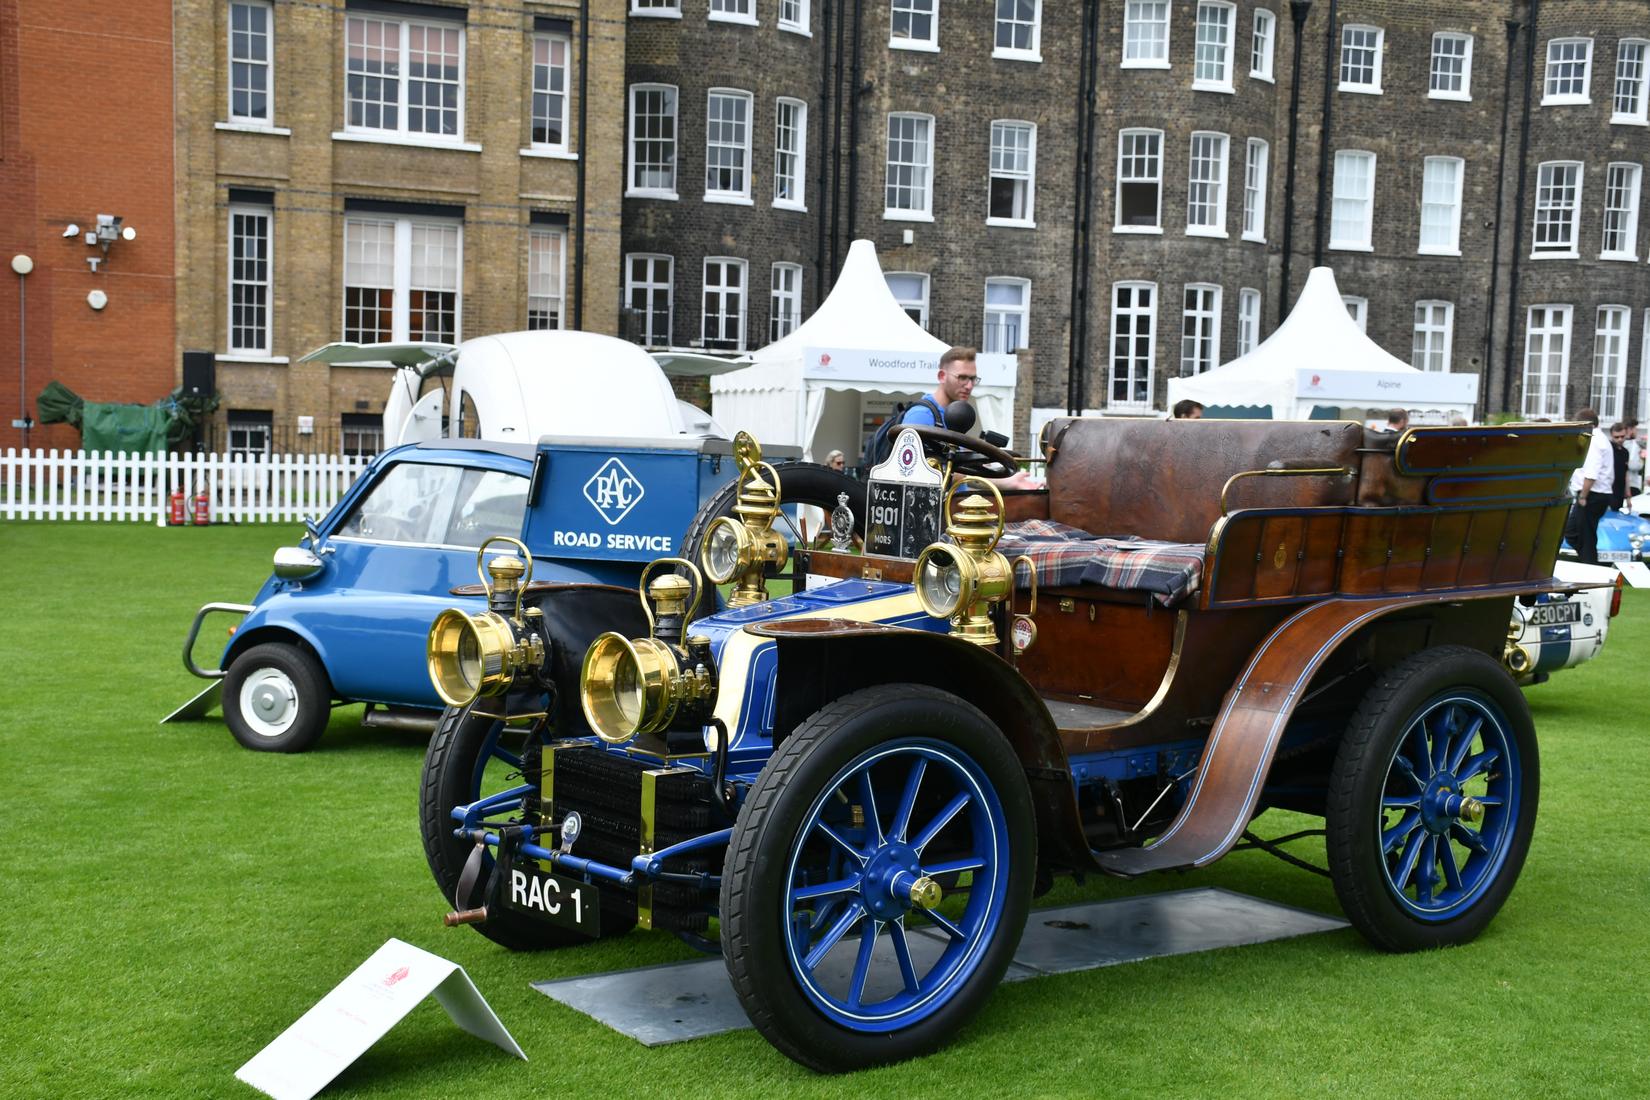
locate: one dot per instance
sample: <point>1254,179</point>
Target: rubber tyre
<point>754,886</point>
<point>290,670</point>
<point>1360,778</point>
<point>799,483</point>
<point>449,780</point>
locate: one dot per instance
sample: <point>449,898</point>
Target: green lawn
<point>174,901</point>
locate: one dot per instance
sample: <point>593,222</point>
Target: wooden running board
<point>1246,734</point>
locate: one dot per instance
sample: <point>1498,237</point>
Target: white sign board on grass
<point>359,1011</point>
<point>1636,572</point>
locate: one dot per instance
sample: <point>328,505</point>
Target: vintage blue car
<point>868,778</point>
<point>345,616</point>
<point>1622,537</point>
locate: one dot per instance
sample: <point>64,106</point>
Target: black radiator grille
<point>605,789</point>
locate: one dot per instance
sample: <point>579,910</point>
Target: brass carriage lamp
<point>744,547</point>
<point>962,579</point>
<point>475,654</point>
<point>630,687</point>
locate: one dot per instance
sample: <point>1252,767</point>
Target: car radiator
<point>610,792</point>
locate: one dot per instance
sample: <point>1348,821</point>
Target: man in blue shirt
<point>958,376</point>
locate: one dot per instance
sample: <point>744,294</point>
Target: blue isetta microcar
<point>345,615</point>
<point>866,779</point>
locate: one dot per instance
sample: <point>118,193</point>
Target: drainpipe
<point>821,266</point>
<point>855,89</point>
<point>584,158</point>
<point>1330,68</point>
<point>1518,211</point>
<point>1298,11</point>
<point>1077,364</point>
<point>836,151</point>
<point>1495,239</point>
<point>23,264</point>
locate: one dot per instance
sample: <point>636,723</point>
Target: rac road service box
<point>624,499</point>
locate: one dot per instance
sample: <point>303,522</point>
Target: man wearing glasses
<point>958,376</point>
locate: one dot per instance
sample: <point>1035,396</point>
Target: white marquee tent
<point>809,388</point>
<point>1320,357</point>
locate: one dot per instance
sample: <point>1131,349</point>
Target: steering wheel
<point>968,454</point>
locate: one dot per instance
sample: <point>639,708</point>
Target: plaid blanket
<point>1066,555</point>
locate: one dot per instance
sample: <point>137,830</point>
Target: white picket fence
<point>77,485</point>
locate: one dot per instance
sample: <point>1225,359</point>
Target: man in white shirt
<point>1590,485</point>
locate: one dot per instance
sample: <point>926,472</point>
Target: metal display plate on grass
<point>656,1005</point>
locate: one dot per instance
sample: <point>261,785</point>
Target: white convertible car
<point>1557,630</point>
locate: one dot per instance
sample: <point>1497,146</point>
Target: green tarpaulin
<point>134,429</point>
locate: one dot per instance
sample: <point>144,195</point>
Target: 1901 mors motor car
<point>868,779</point>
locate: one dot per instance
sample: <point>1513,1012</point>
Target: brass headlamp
<point>745,546</point>
<point>637,687</point>
<point>962,579</point>
<point>476,654</point>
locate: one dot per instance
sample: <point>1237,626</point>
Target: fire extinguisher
<point>203,509</point>
<point>175,511</point>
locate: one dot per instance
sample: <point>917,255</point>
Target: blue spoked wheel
<point>879,878</point>
<point>1432,800</point>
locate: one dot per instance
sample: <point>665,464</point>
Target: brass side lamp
<point>475,654</point>
<point>962,580</point>
<point>630,687</point>
<point>745,544</point>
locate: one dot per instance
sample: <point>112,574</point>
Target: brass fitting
<point>631,687</point>
<point>744,545</point>
<point>963,579</point>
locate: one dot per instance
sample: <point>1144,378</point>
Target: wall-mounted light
<point>97,299</point>
<point>108,230</point>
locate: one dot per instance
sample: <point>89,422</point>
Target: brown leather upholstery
<point>1378,479</point>
<point>1161,479</point>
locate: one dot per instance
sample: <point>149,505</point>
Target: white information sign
<point>1636,572</point>
<point>909,370</point>
<point>359,1011</point>
<point>1424,387</point>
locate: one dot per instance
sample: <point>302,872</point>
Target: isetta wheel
<point>472,755</point>
<point>1432,800</point>
<point>844,947</point>
<point>276,698</point>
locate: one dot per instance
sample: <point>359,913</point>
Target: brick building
<point>1130,189</point>
<point>85,129</point>
<point>1137,188</point>
<point>376,170</point>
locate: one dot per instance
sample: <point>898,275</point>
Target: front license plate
<point>564,902</point>
<point>1552,614</point>
<point>1615,555</point>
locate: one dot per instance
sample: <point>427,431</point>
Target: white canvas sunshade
<point>1319,356</point>
<point>803,389</point>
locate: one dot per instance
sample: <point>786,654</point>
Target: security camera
<point>73,230</point>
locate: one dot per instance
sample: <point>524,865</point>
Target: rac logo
<point>613,490</point>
